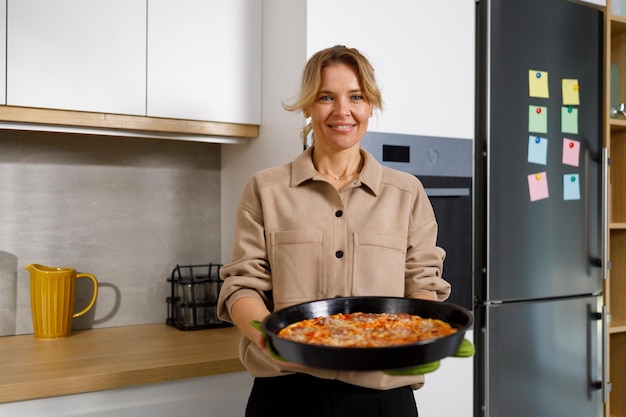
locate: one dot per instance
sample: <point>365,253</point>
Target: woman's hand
<point>424,296</point>
<point>244,312</point>
<point>248,314</point>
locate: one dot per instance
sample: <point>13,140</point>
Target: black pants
<point>301,395</point>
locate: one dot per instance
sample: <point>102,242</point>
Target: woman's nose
<point>342,108</point>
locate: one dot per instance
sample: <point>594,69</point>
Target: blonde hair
<point>312,79</point>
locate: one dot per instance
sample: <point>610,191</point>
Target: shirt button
<point>338,213</point>
<point>339,254</point>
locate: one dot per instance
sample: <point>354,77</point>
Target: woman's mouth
<point>342,127</point>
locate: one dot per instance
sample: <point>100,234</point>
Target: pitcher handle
<point>95,293</point>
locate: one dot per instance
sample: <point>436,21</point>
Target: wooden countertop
<point>115,357</point>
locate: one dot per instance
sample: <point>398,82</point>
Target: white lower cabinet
<point>77,55</point>
<point>449,391</point>
<point>204,60</point>
<point>213,396</point>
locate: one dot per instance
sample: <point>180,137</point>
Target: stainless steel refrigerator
<point>539,210</point>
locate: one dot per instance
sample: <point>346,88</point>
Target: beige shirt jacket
<point>302,239</point>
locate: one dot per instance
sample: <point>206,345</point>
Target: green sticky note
<point>538,119</point>
<point>569,119</point>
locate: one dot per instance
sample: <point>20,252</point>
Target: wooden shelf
<point>617,125</point>
<point>618,25</point>
<point>619,327</point>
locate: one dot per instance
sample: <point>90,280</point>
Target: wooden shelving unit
<point>615,141</point>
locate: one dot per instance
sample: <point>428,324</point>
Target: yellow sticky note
<point>538,84</point>
<point>570,91</point>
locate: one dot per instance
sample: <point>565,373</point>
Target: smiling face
<point>340,113</point>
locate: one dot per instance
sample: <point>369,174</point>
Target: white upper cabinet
<point>204,60</point>
<point>77,55</point>
<point>185,59</point>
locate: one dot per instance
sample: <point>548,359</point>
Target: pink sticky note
<point>571,152</point>
<point>538,186</point>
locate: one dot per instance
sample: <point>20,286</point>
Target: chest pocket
<point>379,265</point>
<point>297,265</point>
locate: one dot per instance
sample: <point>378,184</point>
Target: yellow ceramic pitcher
<point>52,292</point>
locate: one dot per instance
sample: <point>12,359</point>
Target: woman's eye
<point>325,98</point>
<point>357,97</point>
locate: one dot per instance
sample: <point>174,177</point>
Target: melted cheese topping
<point>366,330</point>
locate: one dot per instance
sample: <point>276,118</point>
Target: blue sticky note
<point>538,119</point>
<point>537,150</point>
<point>571,187</point>
<point>569,119</point>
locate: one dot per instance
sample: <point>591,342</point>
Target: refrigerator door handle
<point>605,213</point>
<point>604,384</point>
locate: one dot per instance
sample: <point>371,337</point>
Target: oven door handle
<point>447,192</point>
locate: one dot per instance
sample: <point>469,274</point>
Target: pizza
<point>366,330</point>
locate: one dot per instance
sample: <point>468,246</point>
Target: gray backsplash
<point>124,209</point>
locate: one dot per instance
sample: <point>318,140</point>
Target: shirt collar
<point>302,169</point>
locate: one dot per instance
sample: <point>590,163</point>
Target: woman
<point>333,222</point>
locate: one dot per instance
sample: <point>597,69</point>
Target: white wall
<point>423,54</point>
<point>284,55</point>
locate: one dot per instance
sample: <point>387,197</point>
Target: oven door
<point>451,198</point>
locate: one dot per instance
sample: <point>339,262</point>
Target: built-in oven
<point>444,166</point>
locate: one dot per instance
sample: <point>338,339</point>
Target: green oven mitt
<point>259,326</point>
<point>465,351</point>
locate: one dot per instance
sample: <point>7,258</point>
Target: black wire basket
<point>192,304</point>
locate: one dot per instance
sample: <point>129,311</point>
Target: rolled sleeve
<point>424,260</point>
